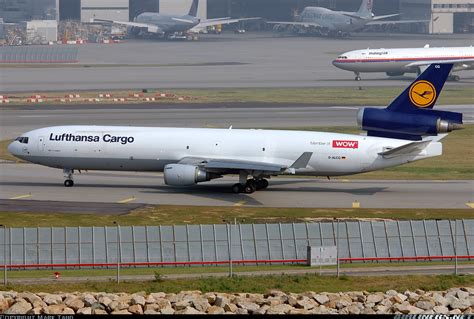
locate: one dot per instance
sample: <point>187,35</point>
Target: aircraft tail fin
<point>411,116</point>
<point>194,8</point>
<point>424,91</point>
<point>365,10</point>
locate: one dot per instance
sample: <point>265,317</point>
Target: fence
<point>38,54</point>
<point>242,243</point>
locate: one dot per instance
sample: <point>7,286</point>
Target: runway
<point>32,182</point>
<point>221,61</point>
<point>15,120</point>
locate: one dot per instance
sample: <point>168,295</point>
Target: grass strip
<point>201,270</point>
<point>322,96</point>
<point>262,284</point>
<point>192,215</point>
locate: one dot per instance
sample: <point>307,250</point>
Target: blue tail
<point>424,91</point>
<point>411,116</point>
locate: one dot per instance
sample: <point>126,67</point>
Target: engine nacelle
<point>133,32</point>
<point>393,73</point>
<point>423,122</point>
<point>185,175</point>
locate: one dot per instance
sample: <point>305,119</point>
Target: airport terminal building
<point>442,16</point>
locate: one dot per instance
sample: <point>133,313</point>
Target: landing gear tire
<point>262,184</point>
<point>249,188</point>
<point>237,188</point>
<point>358,78</point>
<point>68,183</point>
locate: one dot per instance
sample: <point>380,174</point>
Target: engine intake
<point>186,175</point>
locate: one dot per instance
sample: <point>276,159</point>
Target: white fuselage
<point>332,20</point>
<point>124,148</point>
<point>403,60</point>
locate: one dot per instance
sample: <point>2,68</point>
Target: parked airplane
<point>168,26</point>
<point>396,62</point>
<point>406,131</point>
<point>326,22</point>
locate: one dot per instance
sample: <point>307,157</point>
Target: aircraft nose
<point>13,148</point>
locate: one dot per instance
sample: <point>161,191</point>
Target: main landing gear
<point>357,76</point>
<point>250,186</point>
<point>68,175</point>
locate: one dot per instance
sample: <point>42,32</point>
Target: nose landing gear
<point>68,175</point>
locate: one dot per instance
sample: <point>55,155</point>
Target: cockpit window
<point>22,139</point>
<point>342,57</point>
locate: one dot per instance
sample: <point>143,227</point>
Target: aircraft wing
<point>152,28</point>
<point>226,165</point>
<point>304,24</point>
<point>458,63</point>
<point>213,22</point>
<point>376,22</point>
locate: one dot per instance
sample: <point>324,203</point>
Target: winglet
<point>302,161</point>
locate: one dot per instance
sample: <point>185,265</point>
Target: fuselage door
<point>41,144</point>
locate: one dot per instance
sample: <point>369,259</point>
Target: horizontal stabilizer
<point>385,16</point>
<point>407,149</point>
<point>354,16</point>
<point>183,20</point>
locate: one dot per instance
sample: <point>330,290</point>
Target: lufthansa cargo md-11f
<point>407,130</point>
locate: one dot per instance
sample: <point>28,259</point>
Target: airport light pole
<point>119,255</point>
<point>4,255</point>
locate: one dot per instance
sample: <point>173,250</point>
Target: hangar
<point>445,16</point>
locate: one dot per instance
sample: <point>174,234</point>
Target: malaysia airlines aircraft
<point>325,22</point>
<point>167,25</point>
<point>407,130</point>
<point>396,62</point>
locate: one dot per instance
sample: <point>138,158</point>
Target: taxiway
<point>32,182</point>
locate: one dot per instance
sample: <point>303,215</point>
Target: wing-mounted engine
<point>186,175</point>
<point>410,116</point>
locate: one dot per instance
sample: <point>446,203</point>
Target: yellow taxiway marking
<point>345,180</point>
<point>126,200</point>
<point>21,196</point>
<point>470,204</point>
<point>240,203</point>
<point>355,204</point>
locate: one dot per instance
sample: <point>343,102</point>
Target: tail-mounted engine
<point>411,116</point>
<point>386,123</point>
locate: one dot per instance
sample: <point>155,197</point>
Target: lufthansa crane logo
<point>422,93</point>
